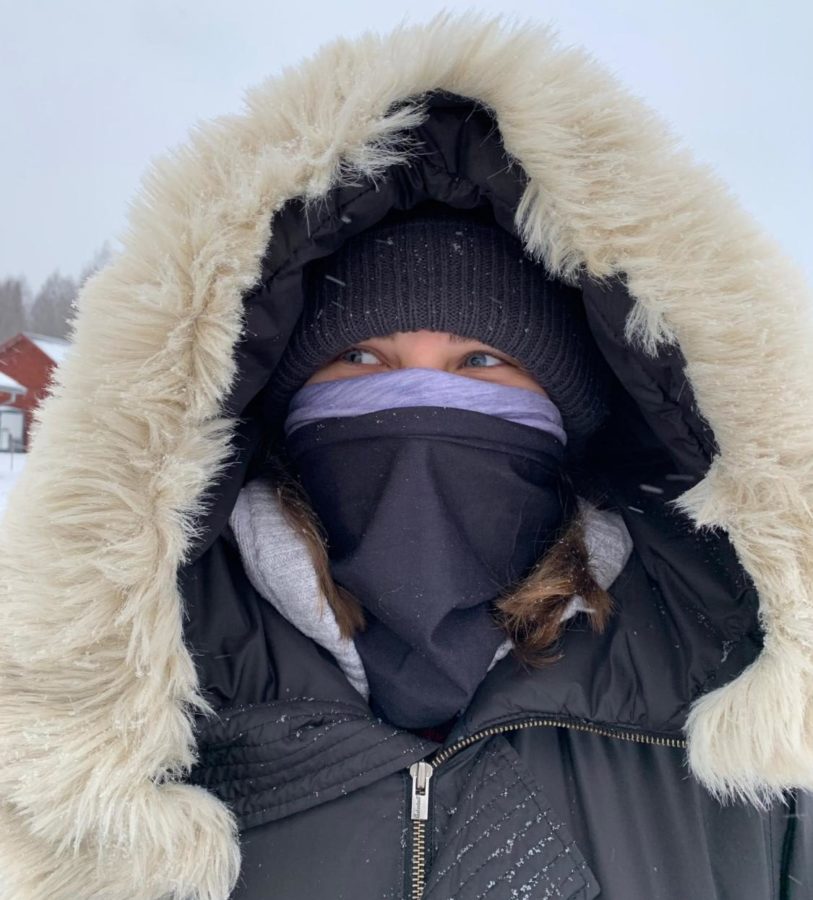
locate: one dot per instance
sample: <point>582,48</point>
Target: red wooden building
<point>27,360</point>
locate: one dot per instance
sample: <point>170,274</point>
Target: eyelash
<point>500,360</point>
<point>341,356</point>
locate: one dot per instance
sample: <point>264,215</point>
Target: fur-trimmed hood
<point>97,685</point>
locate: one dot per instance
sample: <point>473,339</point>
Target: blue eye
<point>359,357</point>
<point>482,360</point>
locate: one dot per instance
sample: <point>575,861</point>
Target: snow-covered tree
<point>100,259</point>
<point>52,309</point>
<point>13,318</point>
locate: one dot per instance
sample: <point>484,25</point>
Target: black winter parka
<point>165,733</point>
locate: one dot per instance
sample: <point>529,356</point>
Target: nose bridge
<point>424,350</point>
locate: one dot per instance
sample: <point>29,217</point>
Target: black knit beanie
<point>448,270</point>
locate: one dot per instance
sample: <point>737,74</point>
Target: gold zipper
<point>422,772</point>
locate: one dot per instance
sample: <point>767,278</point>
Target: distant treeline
<point>50,311</point>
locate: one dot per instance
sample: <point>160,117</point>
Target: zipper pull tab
<point>421,772</point>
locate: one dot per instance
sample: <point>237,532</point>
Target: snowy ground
<point>9,470</point>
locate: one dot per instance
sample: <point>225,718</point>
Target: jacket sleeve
<point>797,850</point>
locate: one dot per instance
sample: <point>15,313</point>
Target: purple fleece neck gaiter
<point>431,506</point>
<point>422,387</point>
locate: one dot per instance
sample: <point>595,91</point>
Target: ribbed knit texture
<point>449,271</point>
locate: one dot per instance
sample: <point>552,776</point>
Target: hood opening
<point>654,438</point>
<point>457,159</point>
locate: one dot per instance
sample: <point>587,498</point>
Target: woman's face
<point>428,350</point>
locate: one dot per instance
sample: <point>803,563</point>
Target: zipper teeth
<point>418,858</point>
<point>443,755</point>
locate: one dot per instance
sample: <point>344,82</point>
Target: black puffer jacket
<point>164,732</point>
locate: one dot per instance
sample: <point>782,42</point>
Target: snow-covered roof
<point>54,347</point>
<point>9,386</point>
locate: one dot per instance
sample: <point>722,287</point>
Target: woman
<point>424,532</point>
<point>169,728</point>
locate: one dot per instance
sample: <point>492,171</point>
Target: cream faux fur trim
<point>97,686</point>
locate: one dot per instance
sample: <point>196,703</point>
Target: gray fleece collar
<point>279,567</point>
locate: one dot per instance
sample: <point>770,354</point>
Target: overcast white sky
<point>91,90</point>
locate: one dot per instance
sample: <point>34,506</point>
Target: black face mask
<point>431,513</point>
